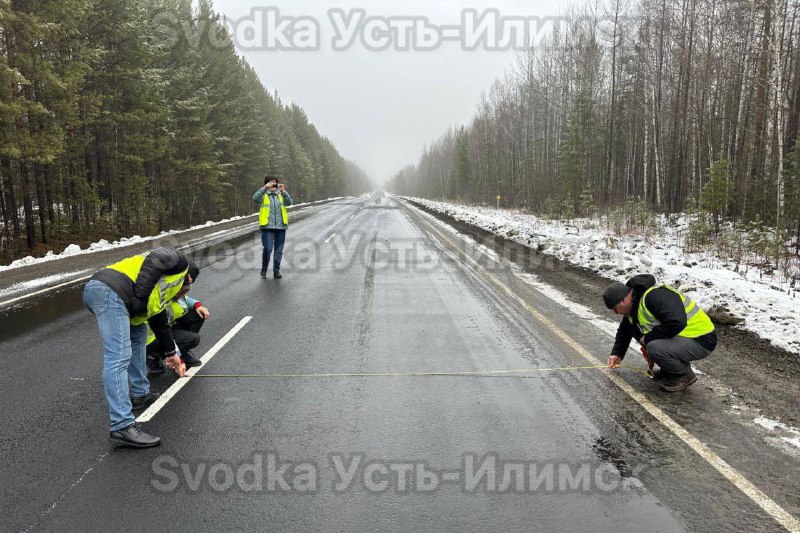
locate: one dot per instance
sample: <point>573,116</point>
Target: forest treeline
<point>671,105</point>
<point>124,117</point>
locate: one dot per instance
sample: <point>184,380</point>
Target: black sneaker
<point>137,404</point>
<point>134,437</point>
<point>190,360</point>
<point>154,365</point>
<point>264,273</point>
<point>277,274</point>
<point>678,383</point>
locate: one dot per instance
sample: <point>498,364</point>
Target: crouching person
<point>124,297</point>
<point>186,317</point>
<point>672,329</point>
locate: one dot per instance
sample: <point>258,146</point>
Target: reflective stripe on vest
<point>697,321</point>
<point>263,215</point>
<point>174,311</point>
<point>165,290</point>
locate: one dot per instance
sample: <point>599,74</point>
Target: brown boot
<point>678,383</point>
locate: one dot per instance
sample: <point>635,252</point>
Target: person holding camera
<point>274,221</point>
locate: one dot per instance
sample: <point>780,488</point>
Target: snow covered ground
<point>766,309</point>
<point>74,249</point>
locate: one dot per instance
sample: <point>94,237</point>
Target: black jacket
<point>159,262</point>
<point>666,306</point>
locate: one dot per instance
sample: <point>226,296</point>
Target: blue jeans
<point>272,239</point>
<point>124,347</point>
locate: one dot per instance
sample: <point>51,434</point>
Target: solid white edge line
<point>770,506</point>
<point>151,411</point>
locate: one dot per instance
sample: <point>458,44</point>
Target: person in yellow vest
<point>186,317</point>
<point>273,199</point>
<point>123,297</point>
<point>671,328</point>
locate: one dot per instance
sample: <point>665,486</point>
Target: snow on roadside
<point>102,244</point>
<point>766,310</point>
<point>786,437</point>
<point>786,434</point>
<point>40,282</point>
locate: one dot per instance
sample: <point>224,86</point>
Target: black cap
<point>615,293</point>
<point>194,271</point>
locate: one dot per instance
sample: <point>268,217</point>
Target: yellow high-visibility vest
<point>174,311</point>
<point>165,290</point>
<point>263,214</point>
<point>697,321</point>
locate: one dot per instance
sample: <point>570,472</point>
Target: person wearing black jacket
<point>123,297</point>
<point>671,328</point>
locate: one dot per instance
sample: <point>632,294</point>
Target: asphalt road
<point>370,286</point>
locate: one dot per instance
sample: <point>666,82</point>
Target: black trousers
<point>185,331</point>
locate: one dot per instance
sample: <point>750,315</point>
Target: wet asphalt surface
<point>369,286</point>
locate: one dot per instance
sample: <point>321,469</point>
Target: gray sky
<point>380,108</point>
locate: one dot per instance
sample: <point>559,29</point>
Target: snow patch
<point>789,435</point>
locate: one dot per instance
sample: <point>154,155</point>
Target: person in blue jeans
<point>124,297</point>
<point>273,199</point>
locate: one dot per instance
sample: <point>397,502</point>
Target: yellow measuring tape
<point>475,373</point>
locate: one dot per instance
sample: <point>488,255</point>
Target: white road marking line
<point>766,503</point>
<point>65,493</point>
<point>151,411</point>
<point>329,238</point>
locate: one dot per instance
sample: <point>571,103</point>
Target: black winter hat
<point>615,293</point>
<point>194,271</point>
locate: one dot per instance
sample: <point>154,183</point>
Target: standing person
<point>671,328</point>
<point>123,297</point>
<point>274,221</point>
<point>186,316</point>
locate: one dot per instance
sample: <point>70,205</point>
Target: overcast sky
<point>380,108</point>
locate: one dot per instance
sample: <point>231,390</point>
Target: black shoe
<point>190,360</point>
<point>137,404</point>
<point>154,366</point>
<point>277,274</point>
<point>678,383</point>
<point>264,273</point>
<point>134,437</point>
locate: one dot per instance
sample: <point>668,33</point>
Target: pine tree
<point>716,195</point>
